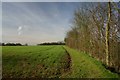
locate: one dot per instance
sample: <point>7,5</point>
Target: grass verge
<point>84,66</point>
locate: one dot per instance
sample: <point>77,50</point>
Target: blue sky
<point>36,22</point>
<point>0,22</point>
<point>58,0</point>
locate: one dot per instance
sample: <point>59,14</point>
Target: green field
<point>34,61</point>
<point>50,62</point>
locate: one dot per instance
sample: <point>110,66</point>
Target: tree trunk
<point>107,34</point>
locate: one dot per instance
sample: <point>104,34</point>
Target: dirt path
<point>68,62</point>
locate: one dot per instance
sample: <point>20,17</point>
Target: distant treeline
<point>52,43</point>
<point>12,44</point>
<point>19,44</point>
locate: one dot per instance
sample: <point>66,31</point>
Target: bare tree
<point>95,31</point>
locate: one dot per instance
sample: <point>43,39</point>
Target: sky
<point>58,0</point>
<point>36,22</point>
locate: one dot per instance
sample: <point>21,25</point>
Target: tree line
<point>45,43</point>
<point>52,43</point>
<point>96,30</point>
<point>13,44</point>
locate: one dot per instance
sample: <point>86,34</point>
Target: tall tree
<point>107,33</point>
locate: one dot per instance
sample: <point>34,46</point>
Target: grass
<point>50,62</point>
<point>84,66</point>
<point>33,61</point>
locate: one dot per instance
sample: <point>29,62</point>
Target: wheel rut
<point>68,64</point>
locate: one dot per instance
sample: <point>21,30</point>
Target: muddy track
<point>68,63</point>
<point>68,59</point>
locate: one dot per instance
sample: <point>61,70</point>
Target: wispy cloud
<point>36,22</point>
<point>20,30</point>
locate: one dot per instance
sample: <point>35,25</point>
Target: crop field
<point>34,61</point>
<point>50,62</point>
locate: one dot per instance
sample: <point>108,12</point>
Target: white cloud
<point>20,30</point>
